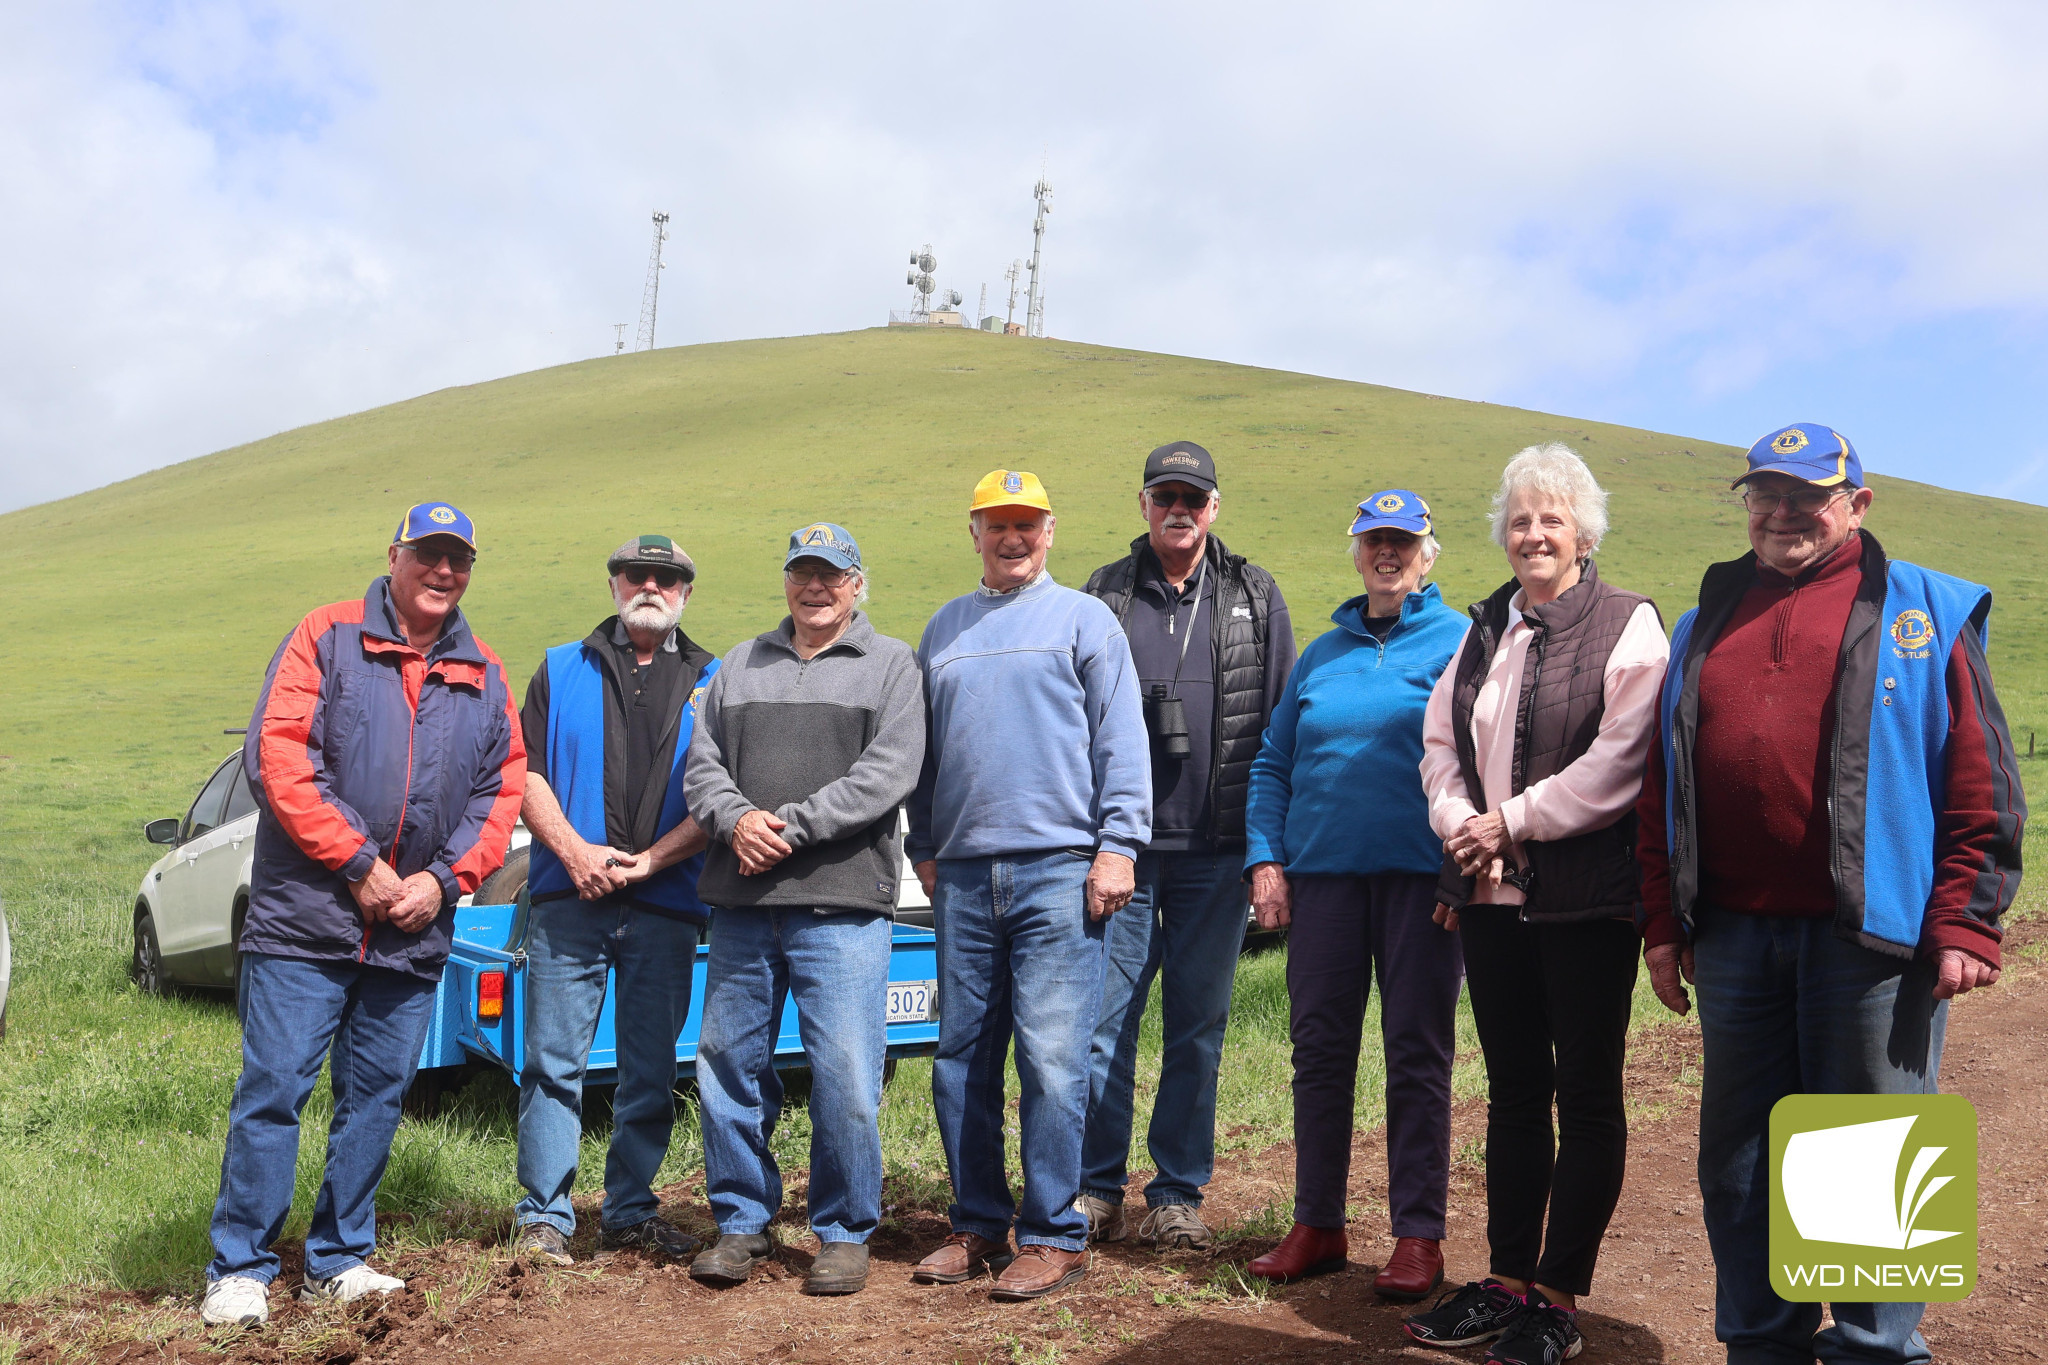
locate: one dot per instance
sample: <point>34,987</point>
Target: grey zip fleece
<point>832,745</point>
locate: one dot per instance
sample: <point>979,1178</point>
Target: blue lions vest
<point>575,741</point>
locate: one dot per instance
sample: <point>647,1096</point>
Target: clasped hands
<point>1480,849</point>
<point>408,904</point>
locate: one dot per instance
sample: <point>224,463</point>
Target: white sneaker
<point>235,1301</point>
<point>350,1285</point>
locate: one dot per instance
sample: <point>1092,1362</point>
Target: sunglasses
<point>1167,501</point>
<point>636,574</point>
<point>459,561</point>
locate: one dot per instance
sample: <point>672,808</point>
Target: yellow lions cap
<point>1009,488</point>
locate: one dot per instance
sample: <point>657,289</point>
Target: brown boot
<point>961,1256</point>
<point>1037,1271</point>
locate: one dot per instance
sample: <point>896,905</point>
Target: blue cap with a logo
<point>1397,508</point>
<point>434,519</point>
<point>823,540</point>
<point>1806,450</point>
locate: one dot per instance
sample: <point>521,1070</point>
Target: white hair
<point>860,594</point>
<point>1430,550</point>
<point>1555,471</point>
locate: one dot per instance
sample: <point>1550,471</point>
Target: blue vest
<point>1883,835</point>
<point>575,742</point>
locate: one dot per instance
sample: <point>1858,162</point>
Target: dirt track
<point>1652,1299</point>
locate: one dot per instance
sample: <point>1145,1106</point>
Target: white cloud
<point>226,221</point>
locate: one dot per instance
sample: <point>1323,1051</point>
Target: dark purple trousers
<point>1347,933</point>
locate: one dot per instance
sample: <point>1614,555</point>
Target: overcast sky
<point>221,221</point>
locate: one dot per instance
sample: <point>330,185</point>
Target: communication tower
<point>644,341</point>
<point>620,328</point>
<point>1010,316</point>
<point>922,264</point>
<point>1034,310</point>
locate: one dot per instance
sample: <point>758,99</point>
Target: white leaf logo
<point>1842,1185</point>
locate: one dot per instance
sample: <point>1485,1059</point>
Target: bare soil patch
<point>1652,1302</point>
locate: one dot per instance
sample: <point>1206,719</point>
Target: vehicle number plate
<point>910,1002</point>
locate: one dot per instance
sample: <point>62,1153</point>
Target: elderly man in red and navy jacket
<point>388,763</point>
<point>1829,833</point>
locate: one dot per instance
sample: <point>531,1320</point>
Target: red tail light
<point>490,996</point>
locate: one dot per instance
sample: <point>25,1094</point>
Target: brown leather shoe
<point>1415,1269</point>
<point>962,1256</point>
<point>1037,1271</point>
<point>1303,1251</point>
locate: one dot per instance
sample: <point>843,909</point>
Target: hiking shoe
<point>235,1301</point>
<point>1176,1227</point>
<point>1542,1334</point>
<point>542,1242</point>
<point>732,1258</point>
<point>1481,1311</point>
<point>1105,1220</point>
<point>655,1236</point>
<point>351,1284</point>
<point>840,1268</point>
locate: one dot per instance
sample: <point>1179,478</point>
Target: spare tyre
<point>503,886</point>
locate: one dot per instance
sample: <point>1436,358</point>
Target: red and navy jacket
<point>361,748</point>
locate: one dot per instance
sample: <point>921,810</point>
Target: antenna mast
<point>620,328</point>
<point>644,341</point>
<point>922,264</point>
<point>1034,309</point>
<point>1010,317</point>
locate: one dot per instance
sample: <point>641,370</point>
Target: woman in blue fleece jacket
<point>1341,854</point>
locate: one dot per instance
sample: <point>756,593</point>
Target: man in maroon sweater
<point>1825,897</point>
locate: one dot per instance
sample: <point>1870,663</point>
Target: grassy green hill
<point>137,620</point>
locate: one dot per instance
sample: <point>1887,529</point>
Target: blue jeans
<point>571,947</point>
<point>369,1023</point>
<point>1787,1008</point>
<point>837,967</point>
<point>1187,919</point>
<point>1017,954</point>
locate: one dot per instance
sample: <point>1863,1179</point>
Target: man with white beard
<point>613,887</point>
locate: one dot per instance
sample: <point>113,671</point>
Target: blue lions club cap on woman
<point>434,519</point>
<point>822,540</point>
<point>1806,450</point>
<point>1395,507</point>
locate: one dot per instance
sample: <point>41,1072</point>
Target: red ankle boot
<point>1303,1251</point>
<point>1415,1268</point>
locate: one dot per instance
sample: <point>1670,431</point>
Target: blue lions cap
<point>434,519</point>
<point>822,540</point>
<point>1806,450</point>
<point>1396,507</point>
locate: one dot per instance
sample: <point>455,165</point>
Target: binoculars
<point>1166,719</point>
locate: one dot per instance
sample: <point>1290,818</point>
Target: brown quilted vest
<point>1585,876</point>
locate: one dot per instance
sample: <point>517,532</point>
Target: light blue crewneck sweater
<point>1036,736</point>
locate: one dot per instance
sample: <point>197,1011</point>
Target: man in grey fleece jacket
<point>808,739</point>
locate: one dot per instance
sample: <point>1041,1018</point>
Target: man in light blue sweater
<point>1025,828</point>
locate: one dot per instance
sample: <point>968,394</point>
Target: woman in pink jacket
<point>1533,751</point>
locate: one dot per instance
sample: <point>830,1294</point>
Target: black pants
<point>1552,1005</point>
<point>1347,933</point>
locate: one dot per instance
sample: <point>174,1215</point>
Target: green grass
<point>138,619</point>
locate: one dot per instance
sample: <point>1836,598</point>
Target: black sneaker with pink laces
<point>1480,1311</point>
<point>1541,1334</point>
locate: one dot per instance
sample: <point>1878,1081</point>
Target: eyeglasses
<point>1763,501</point>
<point>1167,501</point>
<point>636,574</point>
<point>831,578</point>
<point>459,561</point>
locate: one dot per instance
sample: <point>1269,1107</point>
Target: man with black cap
<point>1213,646</point>
<point>613,887</point>
<point>1829,833</point>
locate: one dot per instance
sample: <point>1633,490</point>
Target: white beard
<point>647,611</point>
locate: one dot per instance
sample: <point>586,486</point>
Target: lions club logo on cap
<point>1790,442</point>
<point>1391,503</point>
<point>1912,632</point>
<point>444,515</point>
<point>819,534</point>
<point>1013,483</point>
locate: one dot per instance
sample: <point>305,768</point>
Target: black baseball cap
<point>1181,462</point>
